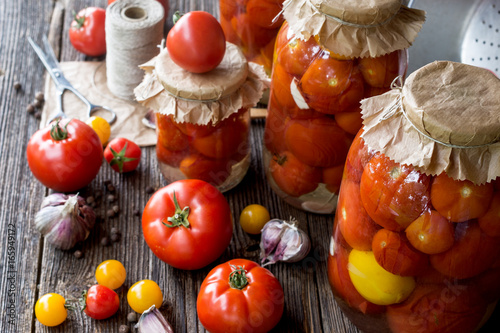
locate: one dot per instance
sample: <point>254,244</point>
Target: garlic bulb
<point>152,321</point>
<point>64,220</point>
<point>283,241</point>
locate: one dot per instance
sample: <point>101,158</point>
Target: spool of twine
<point>134,29</point>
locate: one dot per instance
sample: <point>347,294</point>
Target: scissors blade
<point>49,61</point>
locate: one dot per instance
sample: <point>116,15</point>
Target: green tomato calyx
<point>120,158</point>
<point>57,132</point>
<point>180,217</point>
<point>238,278</point>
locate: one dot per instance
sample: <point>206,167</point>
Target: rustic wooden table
<point>30,267</point>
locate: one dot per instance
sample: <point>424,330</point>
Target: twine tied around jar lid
<point>445,118</point>
<point>201,98</point>
<point>357,28</point>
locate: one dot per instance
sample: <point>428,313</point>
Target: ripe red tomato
<point>87,33</point>
<point>292,176</point>
<point>197,166</point>
<point>295,55</point>
<point>169,135</point>
<point>101,302</point>
<point>472,253</point>
<point>122,155</point>
<point>381,71</point>
<point>263,12</point>
<point>460,200</point>
<point>332,86</point>
<point>395,254</point>
<point>437,309</point>
<point>318,142</point>
<point>196,42</point>
<point>351,218</point>
<point>164,3</point>
<point>240,296</point>
<point>431,233</point>
<point>65,156</point>
<point>187,224</point>
<point>359,155</point>
<point>332,177</point>
<point>394,195</point>
<point>276,124</point>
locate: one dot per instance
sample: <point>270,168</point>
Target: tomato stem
<point>57,132</point>
<point>176,17</point>
<point>120,158</point>
<point>279,159</point>
<point>238,279</point>
<point>80,20</point>
<point>180,217</point>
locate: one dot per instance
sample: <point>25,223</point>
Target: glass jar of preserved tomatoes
<point>253,26</point>
<point>329,55</point>
<point>416,238</point>
<point>203,120</point>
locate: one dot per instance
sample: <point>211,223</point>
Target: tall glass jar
<point>253,26</point>
<point>319,77</point>
<point>416,238</point>
<point>203,120</point>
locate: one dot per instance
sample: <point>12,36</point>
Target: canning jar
<point>329,55</point>
<point>253,26</point>
<point>416,238</point>
<point>203,120</point>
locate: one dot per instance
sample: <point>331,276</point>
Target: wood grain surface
<point>30,267</point>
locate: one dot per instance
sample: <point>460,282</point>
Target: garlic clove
<point>153,321</point>
<point>283,241</point>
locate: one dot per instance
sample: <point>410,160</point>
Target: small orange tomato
<point>431,233</point>
<point>395,254</point>
<point>460,200</point>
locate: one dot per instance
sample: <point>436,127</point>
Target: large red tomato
<point>187,224</point>
<point>196,42</point>
<point>87,33</point>
<point>65,156</point>
<point>240,296</point>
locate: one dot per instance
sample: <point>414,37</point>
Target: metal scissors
<point>49,59</point>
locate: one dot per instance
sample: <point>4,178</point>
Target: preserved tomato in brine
<point>208,152</point>
<point>424,247</point>
<point>252,25</point>
<point>314,110</point>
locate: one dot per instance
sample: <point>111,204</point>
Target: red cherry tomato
<point>187,224</point>
<point>101,302</point>
<point>122,155</point>
<point>354,223</point>
<point>318,142</point>
<point>196,42</point>
<point>240,296</point>
<point>164,3</point>
<point>87,33</point>
<point>65,156</point>
<point>396,255</point>
<point>292,176</point>
<point>394,195</point>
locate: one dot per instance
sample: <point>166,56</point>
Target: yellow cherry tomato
<point>253,218</point>
<point>376,284</point>
<point>110,273</point>
<point>50,309</point>
<point>101,127</point>
<point>143,294</point>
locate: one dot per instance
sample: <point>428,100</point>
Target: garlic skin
<point>64,220</point>
<point>283,241</point>
<point>152,321</point>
